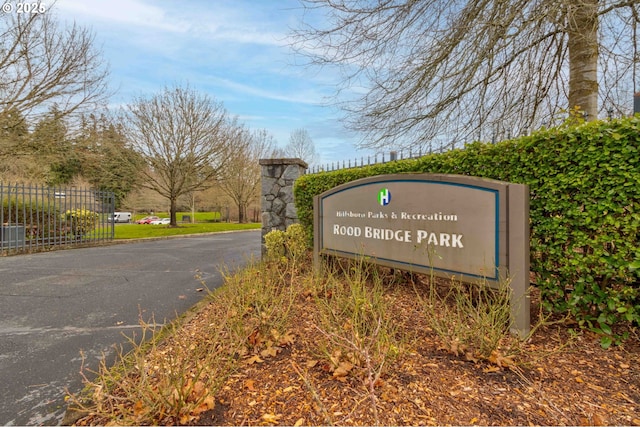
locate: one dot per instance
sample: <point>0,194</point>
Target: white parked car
<point>120,217</point>
<point>161,221</point>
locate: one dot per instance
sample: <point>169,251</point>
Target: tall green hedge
<point>584,207</point>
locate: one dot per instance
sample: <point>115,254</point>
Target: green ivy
<point>584,186</point>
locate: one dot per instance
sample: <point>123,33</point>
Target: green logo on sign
<point>384,197</point>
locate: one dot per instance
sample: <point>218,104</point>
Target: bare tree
<point>436,72</point>
<point>301,146</point>
<point>182,136</point>
<point>240,179</point>
<point>43,64</point>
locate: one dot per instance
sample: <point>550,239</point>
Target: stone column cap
<point>284,161</point>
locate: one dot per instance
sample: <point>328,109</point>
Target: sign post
<point>449,225</point>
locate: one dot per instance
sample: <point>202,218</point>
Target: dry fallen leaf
<point>249,385</point>
<point>254,359</point>
<point>287,339</point>
<point>138,408</point>
<point>254,337</point>
<point>199,390</point>
<point>389,394</point>
<point>271,418</point>
<point>341,372</point>
<point>457,348</point>
<point>187,418</point>
<point>502,361</point>
<point>470,357</point>
<point>207,404</point>
<point>243,351</point>
<point>270,351</point>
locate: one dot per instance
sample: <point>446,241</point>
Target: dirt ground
<point>561,378</point>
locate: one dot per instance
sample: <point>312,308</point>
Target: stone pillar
<point>278,208</point>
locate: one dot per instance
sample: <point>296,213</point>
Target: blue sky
<point>236,51</point>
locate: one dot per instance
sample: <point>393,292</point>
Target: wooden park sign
<point>449,225</point>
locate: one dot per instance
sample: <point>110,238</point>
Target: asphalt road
<point>55,306</point>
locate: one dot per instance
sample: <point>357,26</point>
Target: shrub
<point>17,211</point>
<point>286,244</point>
<point>469,320</point>
<point>584,213</point>
<point>295,242</point>
<point>82,221</point>
<point>274,242</point>
<point>353,316</point>
<point>41,220</point>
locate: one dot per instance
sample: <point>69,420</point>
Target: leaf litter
<point>561,378</point>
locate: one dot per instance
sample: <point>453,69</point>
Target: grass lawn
<point>198,217</point>
<point>137,231</point>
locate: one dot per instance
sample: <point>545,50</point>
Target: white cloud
<point>248,36</point>
<point>309,97</point>
<point>204,22</point>
<point>131,13</point>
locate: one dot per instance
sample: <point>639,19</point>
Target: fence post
<point>278,207</point>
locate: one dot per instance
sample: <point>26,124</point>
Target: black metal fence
<point>36,218</point>
<point>372,160</point>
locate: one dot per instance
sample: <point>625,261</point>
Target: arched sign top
<point>470,227</point>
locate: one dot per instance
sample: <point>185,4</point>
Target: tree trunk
<point>582,22</point>
<point>173,212</point>
<point>242,213</point>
